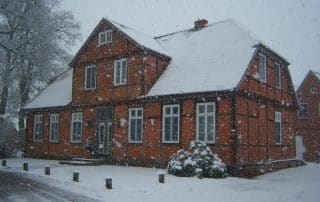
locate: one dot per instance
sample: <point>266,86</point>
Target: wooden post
<point>76,176</point>
<point>47,170</point>
<point>25,167</point>
<point>161,177</point>
<point>4,163</point>
<point>109,183</point>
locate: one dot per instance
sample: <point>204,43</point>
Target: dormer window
<point>120,72</point>
<point>105,37</point>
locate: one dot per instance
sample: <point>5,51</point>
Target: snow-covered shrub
<point>181,164</point>
<point>185,163</point>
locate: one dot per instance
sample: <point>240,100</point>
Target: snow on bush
<point>186,164</point>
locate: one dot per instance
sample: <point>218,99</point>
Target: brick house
<point>308,121</point>
<point>139,98</point>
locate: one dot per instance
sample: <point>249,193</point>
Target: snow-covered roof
<point>58,93</point>
<point>142,39</point>
<point>317,74</point>
<point>209,59</point>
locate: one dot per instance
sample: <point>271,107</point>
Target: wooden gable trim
<point>94,32</point>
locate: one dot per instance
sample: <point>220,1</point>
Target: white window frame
<point>136,117</point>
<point>206,114</point>
<point>170,116</point>
<point>54,119</point>
<point>278,119</point>
<point>105,33</point>
<point>95,77</point>
<point>77,115</point>
<point>303,117</point>
<point>123,78</point>
<point>264,68</point>
<point>277,66</point>
<point>37,119</point>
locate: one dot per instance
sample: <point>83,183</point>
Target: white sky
<point>291,27</point>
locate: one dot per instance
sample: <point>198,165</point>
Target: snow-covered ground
<point>141,184</point>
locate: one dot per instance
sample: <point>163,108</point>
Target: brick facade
<point>309,127</point>
<point>245,125</point>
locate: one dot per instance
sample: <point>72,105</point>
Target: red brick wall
<point>151,148</point>
<point>309,127</point>
<point>255,116</point>
<point>64,148</point>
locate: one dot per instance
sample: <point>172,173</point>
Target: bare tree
<point>33,37</point>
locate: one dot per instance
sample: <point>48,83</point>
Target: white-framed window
<point>37,128</point>
<point>135,125</point>
<point>120,72</point>
<point>76,127</point>
<point>262,68</point>
<point>206,122</point>
<point>102,135</point>
<point>278,128</point>
<point>171,123</point>
<point>277,75</point>
<point>54,128</point>
<point>90,77</point>
<point>303,110</point>
<point>105,37</point>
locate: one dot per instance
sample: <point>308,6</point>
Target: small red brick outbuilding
<point>139,99</point>
<point>308,121</point>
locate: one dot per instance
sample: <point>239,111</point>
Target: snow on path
<point>140,184</point>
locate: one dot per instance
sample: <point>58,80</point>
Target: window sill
<point>105,43</point>
<point>135,142</point>
<point>73,142</point>
<point>119,85</point>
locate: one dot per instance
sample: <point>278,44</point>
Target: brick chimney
<point>200,23</point>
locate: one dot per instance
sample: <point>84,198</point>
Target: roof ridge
<point>193,29</point>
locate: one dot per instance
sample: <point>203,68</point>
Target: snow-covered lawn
<point>141,184</point>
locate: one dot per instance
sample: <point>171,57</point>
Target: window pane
<point>175,110</point>
<point>124,72</point>
<point>117,72</point>
<point>167,128</point>
<point>210,108</point>
<point>93,77</point>
<point>139,129</point>
<point>201,109</point>
<point>175,128</point>
<point>133,113</point>
<point>133,129</point>
<point>139,112</point>
<point>277,129</point>
<point>101,133</point>
<point>109,36</point>
<point>167,111</point>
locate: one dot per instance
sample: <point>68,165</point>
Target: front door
<point>103,128</point>
<point>300,149</point>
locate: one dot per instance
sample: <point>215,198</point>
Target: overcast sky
<point>290,27</point>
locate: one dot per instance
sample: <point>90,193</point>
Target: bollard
<point>76,176</point>
<point>109,183</point>
<point>25,167</point>
<point>161,177</point>
<point>4,163</point>
<point>199,173</point>
<point>47,170</point>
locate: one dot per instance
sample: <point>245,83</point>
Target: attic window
<point>105,37</point>
<point>312,90</point>
<point>262,68</point>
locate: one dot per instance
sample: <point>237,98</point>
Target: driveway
<point>16,187</point>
